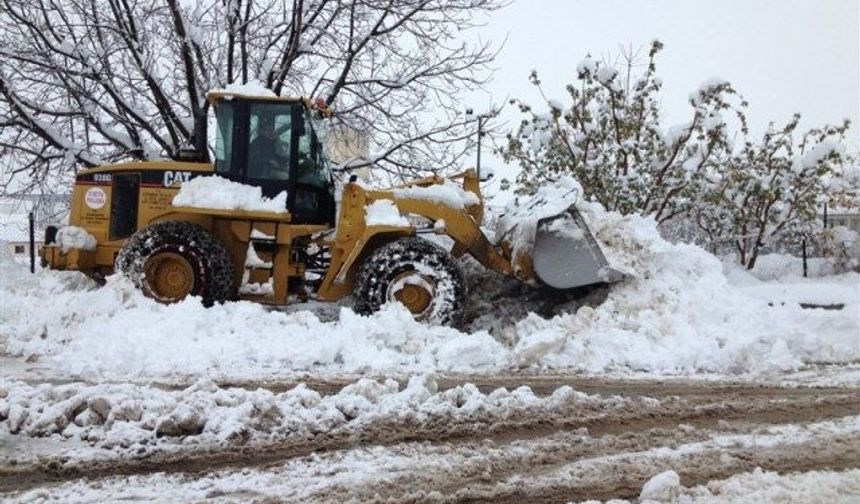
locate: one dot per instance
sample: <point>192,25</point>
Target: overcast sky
<point>784,56</point>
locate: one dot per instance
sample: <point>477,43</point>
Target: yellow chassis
<point>353,238</point>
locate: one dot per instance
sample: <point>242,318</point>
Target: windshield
<point>269,132</point>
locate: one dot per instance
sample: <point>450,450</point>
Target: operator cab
<point>275,143</point>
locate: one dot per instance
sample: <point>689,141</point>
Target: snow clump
<point>384,213</point>
<point>221,194</point>
<point>448,193</point>
<point>663,487</point>
<point>73,237</point>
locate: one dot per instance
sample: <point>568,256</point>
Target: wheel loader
<point>318,245</point>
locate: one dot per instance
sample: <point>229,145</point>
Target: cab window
<point>313,168</point>
<point>269,129</point>
<point>224,138</point>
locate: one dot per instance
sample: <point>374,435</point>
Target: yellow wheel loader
<point>311,247</point>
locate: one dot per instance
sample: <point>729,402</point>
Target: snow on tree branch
<point>87,81</point>
<point>608,135</point>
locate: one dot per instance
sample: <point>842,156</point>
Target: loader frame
<point>285,241</point>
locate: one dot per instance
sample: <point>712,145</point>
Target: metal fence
<point>23,219</point>
<point>802,254</point>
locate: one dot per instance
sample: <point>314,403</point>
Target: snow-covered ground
<point>713,365</point>
<point>756,487</point>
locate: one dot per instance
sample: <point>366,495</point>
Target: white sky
<point>784,56</point>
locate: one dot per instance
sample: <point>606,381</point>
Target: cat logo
<point>173,177</point>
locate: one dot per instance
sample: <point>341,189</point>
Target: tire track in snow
<point>714,409</point>
<point>558,468</point>
<point>628,472</point>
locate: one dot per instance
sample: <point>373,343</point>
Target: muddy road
<point>599,449</point>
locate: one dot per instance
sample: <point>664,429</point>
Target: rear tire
<point>171,260</point>
<point>417,273</point>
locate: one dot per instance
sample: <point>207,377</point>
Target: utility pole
<point>480,135</point>
<point>481,118</point>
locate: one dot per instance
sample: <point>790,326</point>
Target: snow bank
<point>678,313</point>
<point>72,237</point>
<point>115,331</point>
<point>221,194</point>
<point>123,415</point>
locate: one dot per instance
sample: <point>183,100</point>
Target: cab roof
<point>222,94</point>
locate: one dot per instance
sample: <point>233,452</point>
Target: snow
<point>767,487</point>
<point>266,288</point>
<point>384,213</point>
<point>126,416</point>
<point>218,193</point>
<point>252,260</point>
<point>407,471</point>
<point>251,88</point>
<point>586,67</point>
<point>778,266</point>
<point>707,87</point>
<point>556,104</point>
<point>678,313</point>
<point>73,237</point>
<point>606,74</point>
<point>676,133</point>
<point>259,235</point>
<point>448,193</point>
<point>816,154</point>
<point>663,487</point>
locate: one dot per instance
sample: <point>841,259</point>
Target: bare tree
<point>84,82</point>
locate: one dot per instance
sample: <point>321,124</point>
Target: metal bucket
<point>566,255</point>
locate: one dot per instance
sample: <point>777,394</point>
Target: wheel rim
<point>415,292</point>
<point>169,277</point>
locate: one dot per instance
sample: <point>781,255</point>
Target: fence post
<point>32,243</point>
<point>825,215</point>
<point>804,258</point>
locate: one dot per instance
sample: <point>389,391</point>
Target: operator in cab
<point>269,151</point>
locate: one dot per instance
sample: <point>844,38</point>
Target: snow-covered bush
<point>842,248</point>
<point>609,137</point>
<point>770,190</point>
<point>705,179</point>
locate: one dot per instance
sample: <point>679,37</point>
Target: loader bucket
<point>566,255</point>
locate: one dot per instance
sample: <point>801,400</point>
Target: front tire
<point>172,260</point>
<point>417,273</point>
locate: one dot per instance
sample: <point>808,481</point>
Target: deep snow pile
<point>125,415</point>
<point>677,314</point>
